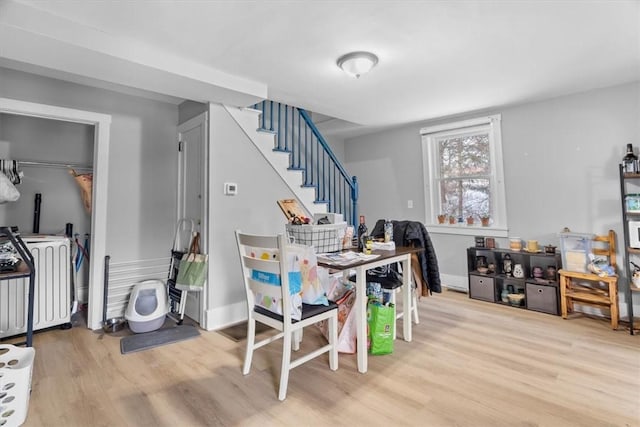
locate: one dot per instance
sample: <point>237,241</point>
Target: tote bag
<point>192,272</point>
<point>381,320</point>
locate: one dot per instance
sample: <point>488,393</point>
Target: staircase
<point>289,140</point>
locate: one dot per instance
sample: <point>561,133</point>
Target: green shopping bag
<point>381,319</point>
<point>192,270</point>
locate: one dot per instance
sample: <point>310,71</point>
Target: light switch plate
<point>230,188</point>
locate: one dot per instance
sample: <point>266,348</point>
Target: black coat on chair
<point>414,233</point>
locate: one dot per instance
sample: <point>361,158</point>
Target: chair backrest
<point>605,245</point>
<point>265,276</point>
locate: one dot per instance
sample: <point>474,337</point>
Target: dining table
<point>360,265</point>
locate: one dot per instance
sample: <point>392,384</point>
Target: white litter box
<point>148,306</point>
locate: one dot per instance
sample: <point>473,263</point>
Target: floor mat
<point>239,332</point>
<point>157,338</point>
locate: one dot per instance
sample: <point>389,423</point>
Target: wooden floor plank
<point>470,364</point>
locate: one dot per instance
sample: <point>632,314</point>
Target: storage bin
<point>16,367</point>
<point>575,249</point>
<point>632,203</point>
<point>323,238</point>
<point>542,297</point>
<point>482,287</point>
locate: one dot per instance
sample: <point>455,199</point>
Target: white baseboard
<point>458,283</point>
<point>222,317</point>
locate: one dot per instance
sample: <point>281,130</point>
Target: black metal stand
<point>25,269</point>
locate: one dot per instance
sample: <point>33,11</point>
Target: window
<point>464,177</point>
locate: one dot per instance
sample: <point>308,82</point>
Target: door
<point>192,194</point>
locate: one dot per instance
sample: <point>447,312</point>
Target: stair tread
<point>252,120</point>
<point>266,131</point>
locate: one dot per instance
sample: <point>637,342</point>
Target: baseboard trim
<point>223,317</point>
<point>458,283</point>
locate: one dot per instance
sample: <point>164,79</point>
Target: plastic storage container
<point>16,367</point>
<point>632,203</point>
<point>575,249</point>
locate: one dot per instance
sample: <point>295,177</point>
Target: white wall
<point>561,169</point>
<point>254,209</point>
<point>142,181</point>
<point>142,158</point>
<point>36,139</point>
<point>187,110</point>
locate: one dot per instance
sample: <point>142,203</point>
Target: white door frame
<point>101,122</point>
<point>200,119</point>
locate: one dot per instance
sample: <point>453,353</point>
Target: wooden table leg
<point>563,296</point>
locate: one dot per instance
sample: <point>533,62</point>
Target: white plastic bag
<point>8,192</point>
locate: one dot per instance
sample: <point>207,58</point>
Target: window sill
<point>467,230</point>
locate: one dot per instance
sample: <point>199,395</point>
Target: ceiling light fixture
<point>357,63</point>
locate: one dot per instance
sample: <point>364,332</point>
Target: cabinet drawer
<point>482,287</point>
<point>542,298</point>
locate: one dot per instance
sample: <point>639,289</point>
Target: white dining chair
<point>254,269</point>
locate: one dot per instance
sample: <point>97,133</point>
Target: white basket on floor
<point>16,367</point>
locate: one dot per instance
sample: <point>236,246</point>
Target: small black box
<point>479,242</point>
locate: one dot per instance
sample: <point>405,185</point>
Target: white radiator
<point>52,304</point>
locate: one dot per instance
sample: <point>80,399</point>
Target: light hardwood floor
<point>470,364</point>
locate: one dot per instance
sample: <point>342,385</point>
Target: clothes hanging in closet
<point>11,170</point>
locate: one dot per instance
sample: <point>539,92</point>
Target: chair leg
<point>392,300</point>
<point>414,307</point>
<point>297,339</point>
<point>333,340</point>
<point>286,361</point>
<point>251,339</point>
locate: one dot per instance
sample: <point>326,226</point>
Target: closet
<point>39,154</point>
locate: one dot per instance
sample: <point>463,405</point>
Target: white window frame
<point>498,226</point>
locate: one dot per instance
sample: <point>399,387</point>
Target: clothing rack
<point>55,165</point>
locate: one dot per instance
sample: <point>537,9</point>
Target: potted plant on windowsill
<point>484,220</point>
<point>442,218</point>
<point>470,220</point>
<point>452,219</point>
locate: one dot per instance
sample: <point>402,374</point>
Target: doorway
<point>193,194</point>
<point>101,124</point>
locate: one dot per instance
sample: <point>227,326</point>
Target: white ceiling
<point>436,58</point>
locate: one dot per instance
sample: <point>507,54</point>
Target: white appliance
<point>52,303</point>
<point>634,234</point>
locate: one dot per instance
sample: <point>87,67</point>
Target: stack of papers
<point>345,258</point>
<point>384,246</point>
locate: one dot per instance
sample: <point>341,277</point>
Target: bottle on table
<point>362,233</point>
<point>630,161</point>
<point>388,230</point>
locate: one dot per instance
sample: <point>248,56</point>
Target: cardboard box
<point>291,208</point>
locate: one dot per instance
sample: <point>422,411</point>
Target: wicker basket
<point>323,238</point>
